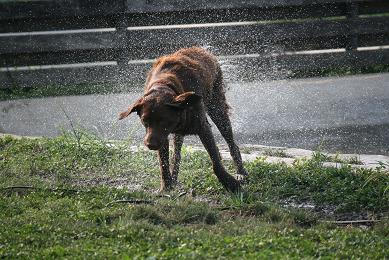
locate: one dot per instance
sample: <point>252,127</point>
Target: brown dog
<point>179,90</point>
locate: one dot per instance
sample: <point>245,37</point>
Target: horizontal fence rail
<point>115,42</point>
<point>248,68</point>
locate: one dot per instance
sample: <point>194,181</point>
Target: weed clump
<point>170,214</point>
<point>275,152</point>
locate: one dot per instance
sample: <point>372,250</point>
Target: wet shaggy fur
<point>180,90</point>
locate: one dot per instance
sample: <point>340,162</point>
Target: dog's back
<point>192,69</point>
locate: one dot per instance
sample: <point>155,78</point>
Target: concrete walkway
<point>290,156</point>
<point>347,114</point>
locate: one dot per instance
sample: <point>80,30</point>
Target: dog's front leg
<point>175,165</point>
<point>163,157</point>
<point>206,137</point>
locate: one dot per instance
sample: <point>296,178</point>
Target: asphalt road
<point>346,114</point>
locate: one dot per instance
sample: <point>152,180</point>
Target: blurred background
<point>299,73</point>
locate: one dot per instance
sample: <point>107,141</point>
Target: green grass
<point>317,155</point>
<point>338,72</point>
<point>349,190</point>
<point>275,152</point>
<point>68,90</point>
<point>86,197</point>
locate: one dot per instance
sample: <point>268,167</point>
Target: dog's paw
<point>242,171</point>
<point>242,179</point>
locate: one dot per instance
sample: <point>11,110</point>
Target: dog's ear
<point>185,100</point>
<point>134,107</point>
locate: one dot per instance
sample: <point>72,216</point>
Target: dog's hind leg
<point>176,160</point>
<point>163,157</point>
<point>222,121</point>
<point>218,112</point>
<point>206,137</point>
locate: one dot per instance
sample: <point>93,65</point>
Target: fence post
<point>352,14</point>
<point>121,28</point>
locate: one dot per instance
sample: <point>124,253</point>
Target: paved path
<point>290,155</point>
<point>348,114</point>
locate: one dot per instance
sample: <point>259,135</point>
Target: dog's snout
<point>152,144</point>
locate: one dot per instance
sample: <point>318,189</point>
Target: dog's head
<point>161,113</point>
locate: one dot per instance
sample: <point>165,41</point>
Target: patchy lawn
<point>78,196</point>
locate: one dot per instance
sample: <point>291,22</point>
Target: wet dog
<point>180,90</point>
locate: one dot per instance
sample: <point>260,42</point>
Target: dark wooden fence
<point>276,45</point>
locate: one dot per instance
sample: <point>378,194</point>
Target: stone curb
<point>290,155</point>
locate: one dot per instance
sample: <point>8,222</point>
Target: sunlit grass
<point>80,200</point>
